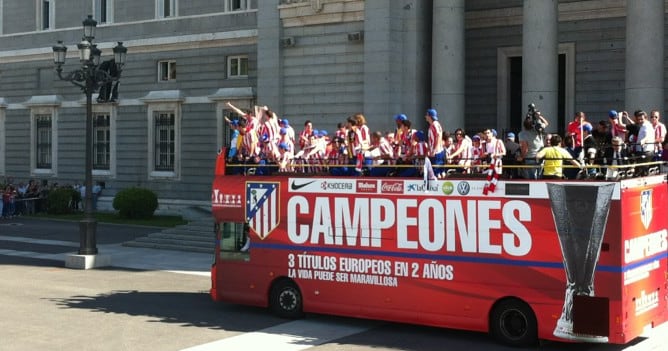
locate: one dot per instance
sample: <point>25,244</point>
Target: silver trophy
<point>580,214</point>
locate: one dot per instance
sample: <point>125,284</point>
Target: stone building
<point>479,62</point>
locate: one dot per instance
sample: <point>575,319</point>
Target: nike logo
<point>294,185</point>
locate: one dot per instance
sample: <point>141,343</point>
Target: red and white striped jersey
<point>357,142</point>
<point>271,129</point>
<point>249,144</point>
<point>405,143</point>
<point>476,154</point>
<point>270,150</point>
<point>465,145</point>
<point>304,137</point>
<point>341,133</point>
<point>419,150</point>
<point>365,136</point>
<point>386,150</point>
<point>435,139</point>
<point>495,148</point>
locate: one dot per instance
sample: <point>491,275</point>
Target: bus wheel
<point>286,300</point>
<point>512,322</point>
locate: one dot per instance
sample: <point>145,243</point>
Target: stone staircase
<point>196,236</point>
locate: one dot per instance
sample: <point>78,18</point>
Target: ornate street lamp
<point>90,77</point>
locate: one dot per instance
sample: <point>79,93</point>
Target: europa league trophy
<point>580,215</point>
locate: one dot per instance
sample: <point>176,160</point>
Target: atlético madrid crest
<point>646,209</point>
<point>262,207</point>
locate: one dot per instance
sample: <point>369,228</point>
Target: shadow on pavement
<point>420,338</point>
<point>189,309</point>
<point>28,261</point>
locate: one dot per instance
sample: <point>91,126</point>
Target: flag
<point>428,170</point>
<point>493,174</point>
<point>359,162</point>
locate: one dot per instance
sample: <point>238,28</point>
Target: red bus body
<point>440,253</point>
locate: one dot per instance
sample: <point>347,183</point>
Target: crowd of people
<point>263,144</point>
<point>611,149</point>
<point>31,197</point>
<point>14,198</point>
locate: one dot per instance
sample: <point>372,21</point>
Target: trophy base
<point>564,330</point>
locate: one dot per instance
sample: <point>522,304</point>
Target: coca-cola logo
<point>392,187</point>
<point>366,186</point>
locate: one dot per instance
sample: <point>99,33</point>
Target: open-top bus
<point>561,260</point>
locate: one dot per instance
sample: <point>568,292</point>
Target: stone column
<point>644,55</point>
<point>540,57</point>
<point>269,56</point>
<point>448,62</point>
<point>382,69</point>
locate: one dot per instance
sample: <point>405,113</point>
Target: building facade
<point>479,62</point>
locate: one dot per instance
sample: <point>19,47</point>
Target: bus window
<point>233,241</point>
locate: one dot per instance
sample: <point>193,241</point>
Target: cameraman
<point>531,141</point>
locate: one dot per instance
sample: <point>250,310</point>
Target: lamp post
<point>90,77</point>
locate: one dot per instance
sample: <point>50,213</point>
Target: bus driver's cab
<point>233,239</point>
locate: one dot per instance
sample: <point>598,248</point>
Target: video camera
<point>534,116</point>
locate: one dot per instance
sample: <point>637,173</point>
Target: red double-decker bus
<point>561,260</point>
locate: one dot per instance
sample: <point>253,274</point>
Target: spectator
<point>415,155</point>
<point>643,145</point>
<point>617,126</point>
<point>398,120</point>
<point>632,129</point>
<point>289,130</point>
<point>476,153</point>
<point>435,150</point>
<point>341,131</point>
<point>406,139</point>
<point>512,155</point>
<point>590,150</point>
<point>380,154</point>
<point>234,139</point>
<point>461,155</point>
<point>602,135</point>
<point>337,157</point>
<point>659,132</point>
<point>530,142</point>
<point>9,202</point>
<point>448,149</point>
<point>97,190</point>
<point>285,138</point>
<point>574,128</point>
<point>285,158</point>
<point>356,144</point>
<point>494,148</point>
<point>246,115</point>
<point>305,134</point>
<point>365,134</point>
<point>553,157</point>
<point>571,173</point>
<point>615,155</point>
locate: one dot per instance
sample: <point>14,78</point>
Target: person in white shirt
<point>644,143</point>
<point>659,130</point>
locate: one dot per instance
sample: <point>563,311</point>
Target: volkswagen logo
<point>463,188</point>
